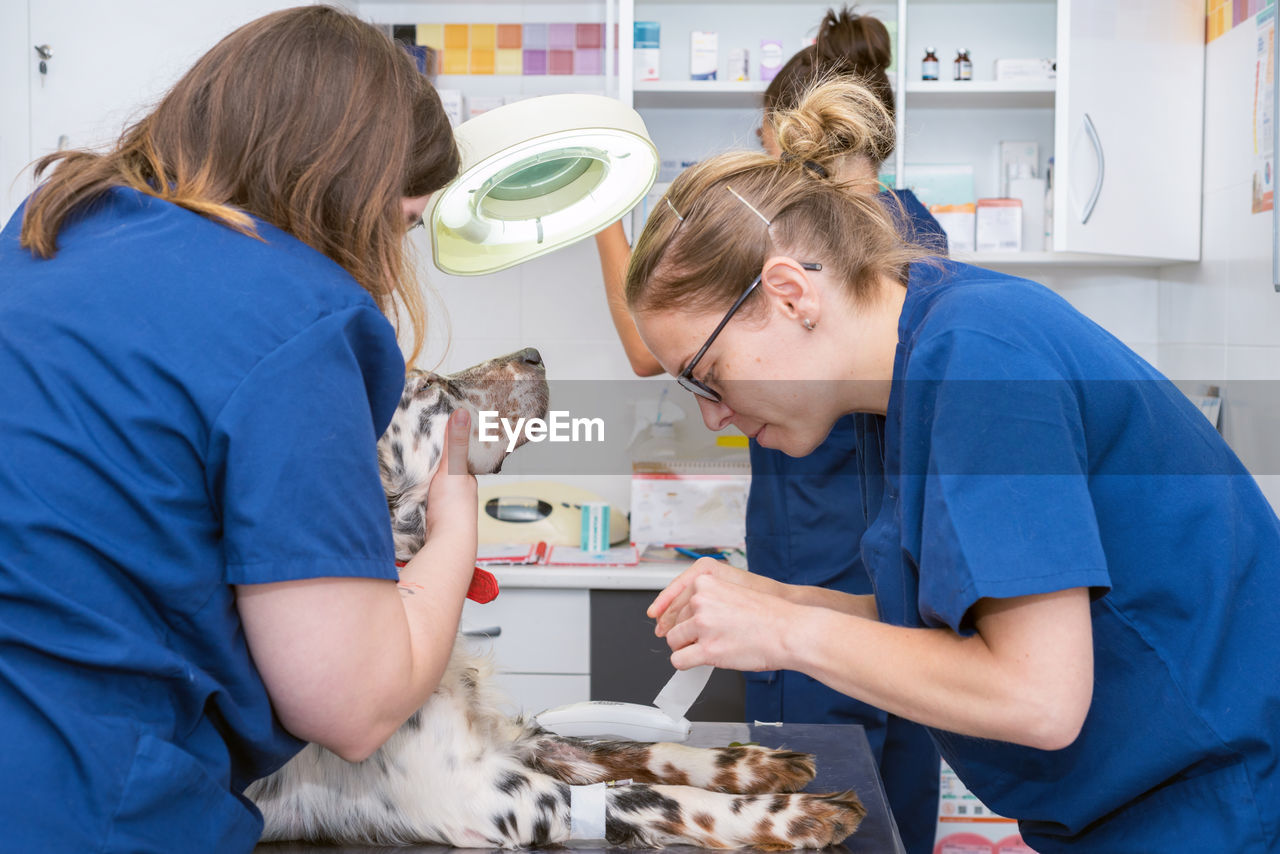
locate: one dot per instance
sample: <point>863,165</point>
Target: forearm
<point>857,605</point>
<point>433,586</point>
<point>941,679</point>
<point>615,252</point>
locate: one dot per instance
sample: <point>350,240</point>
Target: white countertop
<point>647,575</point>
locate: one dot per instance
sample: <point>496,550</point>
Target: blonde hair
<point>307,118</point>
<point>701,249</point>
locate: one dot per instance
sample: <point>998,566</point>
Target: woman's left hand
<point>729,625</point>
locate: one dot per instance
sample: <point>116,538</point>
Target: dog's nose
<point>530,356</point>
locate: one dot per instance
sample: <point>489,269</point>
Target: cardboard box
<point>647,43</point>
<point>998,225</point>
<point>958,222</point>
<point>704,55</point>
<point>1026,69</point>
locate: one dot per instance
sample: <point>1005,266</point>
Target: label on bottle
<point>929,71</point>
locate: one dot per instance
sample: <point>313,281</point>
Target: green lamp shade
<point>536,175</point>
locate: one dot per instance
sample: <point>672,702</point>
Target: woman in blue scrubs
<point>196,563</point>
<point>1073,574</point>
<point>799,510</point>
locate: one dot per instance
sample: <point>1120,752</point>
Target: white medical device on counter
<point>536,175</point>
<point>663,721</point>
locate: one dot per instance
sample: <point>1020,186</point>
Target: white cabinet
<point>1136,69</point>
<point>540,640</point>
<point>1129,127</point>
<point>109,63</point>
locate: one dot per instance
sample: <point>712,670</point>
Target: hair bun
<point>853,44</point>
<point>836,117</point>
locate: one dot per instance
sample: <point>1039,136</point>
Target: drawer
<point>531,693</point>
<point>535,630</point>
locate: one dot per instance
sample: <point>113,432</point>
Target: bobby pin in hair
<point>673,208</point>
<point>749,205</point>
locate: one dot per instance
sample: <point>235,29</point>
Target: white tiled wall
<point>1219,320</point>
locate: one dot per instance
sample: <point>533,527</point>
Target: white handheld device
<point>605,718</point>
<point>663,721</point>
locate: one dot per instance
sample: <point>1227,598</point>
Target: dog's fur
<point>459,772</point>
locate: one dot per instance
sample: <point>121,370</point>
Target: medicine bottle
<point>929,68</point>
<point>963,67</point>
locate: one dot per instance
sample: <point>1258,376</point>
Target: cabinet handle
<point>488,632</point>
<point>1102,168</point>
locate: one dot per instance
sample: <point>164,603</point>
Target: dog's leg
<point>746,769</point>
<point>641,816</point>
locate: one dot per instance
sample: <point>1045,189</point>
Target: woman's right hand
<point>671,604</point>
<point>453,493</point>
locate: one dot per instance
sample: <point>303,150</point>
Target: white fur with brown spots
<point>460,772</point>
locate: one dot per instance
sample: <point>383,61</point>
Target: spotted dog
<point>460,772</point>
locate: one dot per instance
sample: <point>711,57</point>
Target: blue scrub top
<point>1026,451</point>
<point>804,523</point>
<point>183,409</point>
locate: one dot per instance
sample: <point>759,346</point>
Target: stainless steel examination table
<point>844,762</point>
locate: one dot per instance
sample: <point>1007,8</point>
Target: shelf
<point>978,94</point>
<point>1008,260</point>
<point>745,94</point>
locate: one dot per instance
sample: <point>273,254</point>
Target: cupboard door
<point>111,62</point>
<point>1128,128</point>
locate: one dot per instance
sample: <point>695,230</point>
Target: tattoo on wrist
<point>409,588</point>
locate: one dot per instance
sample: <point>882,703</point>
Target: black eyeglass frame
<point>686,378</point>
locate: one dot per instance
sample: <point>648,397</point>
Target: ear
<point>791,288</point>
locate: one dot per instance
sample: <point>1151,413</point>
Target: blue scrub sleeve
<point>994,474</point>
<point>293,460</point>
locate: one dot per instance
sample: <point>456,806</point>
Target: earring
<point>808,324</point>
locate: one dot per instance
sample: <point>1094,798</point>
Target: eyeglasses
<point>686,378</point>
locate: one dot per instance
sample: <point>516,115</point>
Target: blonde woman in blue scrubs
<point>794,502</point>
<point>1074,576</point>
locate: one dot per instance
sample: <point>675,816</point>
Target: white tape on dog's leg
<point>586,811</point>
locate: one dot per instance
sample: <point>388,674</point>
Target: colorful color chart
<point>1221,16</point>
<point>568,48</point>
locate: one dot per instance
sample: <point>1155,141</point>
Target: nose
<point>716,416</point>
<point>530,356</point>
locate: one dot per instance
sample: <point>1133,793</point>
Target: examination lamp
<point>536,175</point>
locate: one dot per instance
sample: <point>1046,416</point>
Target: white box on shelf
<point>647,43</point>
<point>479,104</point>
<point>1026,69</point>
<point>739,60</point>
<point>958,222</point>
<point>1030,191</point>
<point>998,226</point>
<point>453,103</point>
<point>1017,160</point>
<point>704,55</point>
<point>770,58</point>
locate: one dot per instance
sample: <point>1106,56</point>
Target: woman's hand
<point>714,613</point>
<point>731,625</point>
<point>452,495</point>
<point>672,603</point>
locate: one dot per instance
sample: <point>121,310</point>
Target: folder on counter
<point>625,555</point>
<point>517,554</point>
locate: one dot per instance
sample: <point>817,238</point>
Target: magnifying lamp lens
<point>539,179</point>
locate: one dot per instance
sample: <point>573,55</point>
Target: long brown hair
<point>847,45</point>
<point>703,245</point>
<point>308,119</point>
